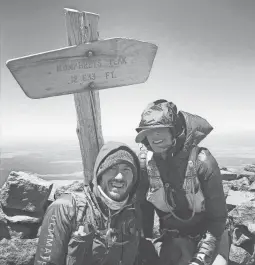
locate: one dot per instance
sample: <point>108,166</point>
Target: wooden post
<point>82,27</point>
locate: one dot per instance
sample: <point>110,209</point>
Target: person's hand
<point>198,259</point>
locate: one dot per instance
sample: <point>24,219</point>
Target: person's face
<point>160,139</point>
<point>117,181</point>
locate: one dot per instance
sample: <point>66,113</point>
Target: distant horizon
<point>223,144</point>
<point>214,134</point>
<point>61,158</point>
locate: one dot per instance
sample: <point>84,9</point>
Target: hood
<point>112,147</point>
<point>197,128</point>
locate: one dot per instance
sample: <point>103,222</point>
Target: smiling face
<point>160,139</point>
<point>117,181</point>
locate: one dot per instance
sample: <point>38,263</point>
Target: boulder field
<point>25,197</point>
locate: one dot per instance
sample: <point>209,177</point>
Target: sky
<point>205,63</point>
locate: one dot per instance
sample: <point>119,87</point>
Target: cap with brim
<point>158,114</point>
<point>145,131</point>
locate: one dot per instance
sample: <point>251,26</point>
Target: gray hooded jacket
<point>79,229</point>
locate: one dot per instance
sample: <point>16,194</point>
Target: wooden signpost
<point>97,65</point>
<point>82,69</point>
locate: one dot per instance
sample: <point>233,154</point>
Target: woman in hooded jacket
<point>182,183</point>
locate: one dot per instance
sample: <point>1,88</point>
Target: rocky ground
<point>25,197</point>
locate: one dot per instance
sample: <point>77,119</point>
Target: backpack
<point>191,177</point>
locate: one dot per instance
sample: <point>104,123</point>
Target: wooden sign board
<point>97,65</point>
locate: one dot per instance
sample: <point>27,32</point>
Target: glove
<point>199,259</point>
<point>206,250</point>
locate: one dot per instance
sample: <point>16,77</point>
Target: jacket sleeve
<point>55,232</point>
<point>215,206</point>
<point>147,210</point>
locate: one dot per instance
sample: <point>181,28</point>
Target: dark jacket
<point>209,223</point>
<point>81,229</point>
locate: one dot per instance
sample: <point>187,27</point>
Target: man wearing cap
<point>101,225</point>
<point>182,183</point>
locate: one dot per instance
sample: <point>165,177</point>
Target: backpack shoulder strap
<point>144,178</point>
<point>80,208</point>
<point>191,175</point>
<point>191,170</point>
<point>142,156</point>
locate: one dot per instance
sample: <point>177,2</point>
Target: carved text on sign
<point>91,64</point>
<point>84,78</point>
<point>79,65</point>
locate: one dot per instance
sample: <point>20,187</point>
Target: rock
<point>4,232</point>
<point>17,220</point>
<point>249,175</point>
<point>238,255</point>
<point>52,195</point>
<point>239,197</point>
<point>25,191</point>
<point>76,186</point>
<point>227,175</point>
<point>2,215</point>
<point>39,231</point>
<point>22,230</point>
<point>156,232</point>
<point>19,230</point>
<point>243,214</point>
<point>19,226</point>
<point>240,236</point>
<point>252,187</point>
<point>250,168</point>
<point>240,184</point>
<point>30,216</point>
<point>241,172</point>
<point>23,219</point>
<point>237,192</point>
<point>227,185</point>
<point>18,251</point>
<point>251,229</point>
<point>234,169</point>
